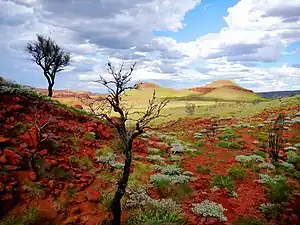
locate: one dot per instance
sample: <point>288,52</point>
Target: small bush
<point>182,190</point>
<point>279,191</point>
<point>227,144</point>
<point>268,166</point>
<point>199,144</point>
<point>190,108</point>
<point>171,170</point>
<point>90,135</point>
<point>155,158</point>
<point>210,209</point>
<point>270,209</point>
<point>260,153</point>
<point>175,158</point>
<point>223,144</point>
<point>237,172</point>
<point>249,158</point>
<point>201,169</point>
<point>292,157</point>
<point>155,151</point>
<point>223,181</point>
<point>31,216</point>
<point>249,221</point>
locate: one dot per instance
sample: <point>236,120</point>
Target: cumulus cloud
<point>257,32</point>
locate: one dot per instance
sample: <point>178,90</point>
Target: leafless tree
<point>276,137</point>
<point>50,57</point>
<point>112,102</point>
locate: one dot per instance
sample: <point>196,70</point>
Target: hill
<point>278,94</point>
<point>230,93</point>
<point>221,83</point>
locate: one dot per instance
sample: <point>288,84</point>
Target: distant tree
<point>50,57</point>
<point>190,108</point>
<point>127,133</point>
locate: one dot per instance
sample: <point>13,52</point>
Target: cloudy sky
<point>176,43</point>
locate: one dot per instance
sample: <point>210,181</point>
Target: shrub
<point>237,172</point>
<point>155,158</point>
<point>199,144</point>
<point>182,190</point>
<point>249,158</point>
<point>158,178</point>
<point>201,169</point>
<point>268,166</point>
<point>155,151</point>
<point>210,209</point>
<point>31,216</point>
<point>260,153</point>
<point>190,108</point>
<point>171,170</point>
<point>279,191</point>
<point>90,135</point>
<point>266,179</point>
<point>227,144</point>
<point>292,157</point>
<point>153,217</point>
<point>224,144</point>
<point>106,157</point>
<point>287,165</point>
<point>223,181</point>
<point>188,173</point>
<point>270,209</point>
<point>175,158</point>
<point>249,221</point>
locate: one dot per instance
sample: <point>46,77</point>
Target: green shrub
<point>171,170</point>
<point>31,216</point>
<point>90,135</point>
<point>154,217</point>
<point>201,169</point>
<point>182,190</point>
<point>249,221</point>
<point>237,172</point>
<point>270,209</point>
<point>260,153</point>
<point>210,209</point>
<point>175,158</point>
<point>223,144</point>
<point>199,144</point>
<point>279,191</point>
<point>223,181</point>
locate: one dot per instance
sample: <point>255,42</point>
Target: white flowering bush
<point>117,165</point>
<point>287,165</point>
<point>268,166</point>
<point>155,158</point>
<point>292,157</point>
<point>139,197</point>
<point>266,179</point>
<point>172,179</point>
<point>188,173</point>
<point>210,209</point>
<point>271,209</point>
<point>249,158</point>
<point>175,158</point>
<point>171,170</point>
<point>106,158</point>
<point>155,151</point>
<point>156,167</point>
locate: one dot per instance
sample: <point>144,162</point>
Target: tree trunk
<point>122,184</point>
<point>50,92</point>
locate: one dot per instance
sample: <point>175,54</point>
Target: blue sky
<point>176,43</point>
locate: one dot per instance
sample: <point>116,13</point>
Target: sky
<point>175,43</point>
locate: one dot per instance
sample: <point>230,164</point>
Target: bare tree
<point>50,57</point>
<point>104,105</point>
<point>276,137</point>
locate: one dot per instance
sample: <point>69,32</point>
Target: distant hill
<point>221,83</point>
<point>278,94</point>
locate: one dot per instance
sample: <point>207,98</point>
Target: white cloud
<point>257,33</point>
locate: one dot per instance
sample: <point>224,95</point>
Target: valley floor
<point>198,171</point>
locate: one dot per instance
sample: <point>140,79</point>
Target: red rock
<point>10,168</point>
<point>93,195</point>
<point>212,221</point>
<point>32,176</point>
<point>3,139</point>
<point>3,160</point>
<point>43,152</point>
<point>78,106</point>
<point>13,157</point>
<point>1,186</point>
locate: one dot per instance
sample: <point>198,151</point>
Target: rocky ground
<point>66,165</point>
